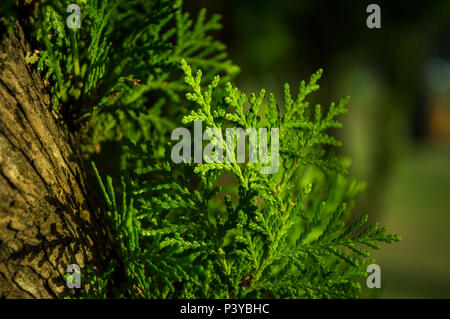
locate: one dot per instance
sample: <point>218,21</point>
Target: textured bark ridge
<point>46,219</point>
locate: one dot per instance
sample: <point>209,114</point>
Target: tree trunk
<point>47,220</point>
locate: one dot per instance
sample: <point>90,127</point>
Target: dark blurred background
<point>397,131</point>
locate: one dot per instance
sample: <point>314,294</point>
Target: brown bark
<point>46,218</point>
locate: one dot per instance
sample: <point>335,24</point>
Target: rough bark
<point>46,219</point>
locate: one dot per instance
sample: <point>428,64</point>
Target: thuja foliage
<point>119,70</point>
<point>283,234</point>
<point>137,69</point>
